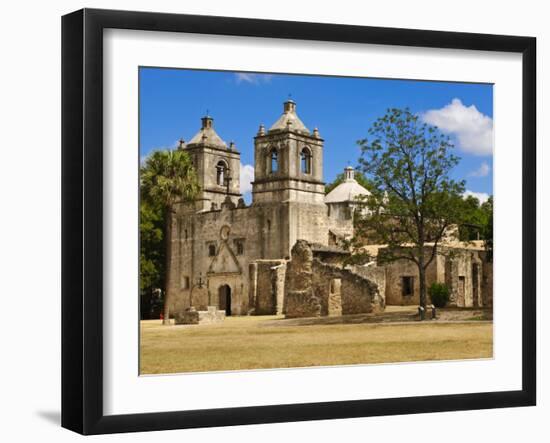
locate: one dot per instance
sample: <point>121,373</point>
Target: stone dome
<point>348,190</point>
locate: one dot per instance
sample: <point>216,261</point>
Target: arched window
<point>306,161</point>
<point>221,172</point>
<point>273,161</point>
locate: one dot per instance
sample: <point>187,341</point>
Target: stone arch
<point>221,172</point>
<point>306,158</point>
<point>273,161</point>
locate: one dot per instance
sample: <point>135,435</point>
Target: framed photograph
<point>269,221</point>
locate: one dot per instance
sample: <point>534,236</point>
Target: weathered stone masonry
<point>237,252</point>
<point>314,288</point>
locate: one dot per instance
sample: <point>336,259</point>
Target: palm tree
<point>167,177</point>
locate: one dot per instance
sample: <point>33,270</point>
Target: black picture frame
<point>82,218</point>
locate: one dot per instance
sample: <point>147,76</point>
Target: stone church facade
<point>242,258</point>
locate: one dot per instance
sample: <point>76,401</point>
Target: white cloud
<point>482,171</point>
<point>481,196</point>
<point>246,177</point>
<point>254,79</point>
<point>473,130</point>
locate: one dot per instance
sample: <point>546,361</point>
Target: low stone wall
<point>193,317</point>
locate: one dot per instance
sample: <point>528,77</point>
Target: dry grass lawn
<point>247,343</point>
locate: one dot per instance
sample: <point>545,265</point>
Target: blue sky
<point>172,101</point>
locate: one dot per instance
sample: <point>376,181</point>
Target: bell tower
<point>217,166</point>
<point>288,181</point>
<point>288,161</point>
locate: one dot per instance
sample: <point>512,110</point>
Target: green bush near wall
<point>439,294</point>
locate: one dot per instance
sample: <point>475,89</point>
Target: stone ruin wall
<point>314,288</point>
<point>300,300</point>
<point>357,294</point>
<point>267,287</point>
<point>375,274</point>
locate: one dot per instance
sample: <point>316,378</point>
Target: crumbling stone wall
<point>314,288</point>
<point>335,298</point>
<point>267,283</point>
<point>300,300</point>
<point>377,275</point>
<point>359,295</point>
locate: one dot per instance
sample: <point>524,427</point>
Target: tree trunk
<point>422,278</point>
<point>422,283</point>
<point>168,259</point>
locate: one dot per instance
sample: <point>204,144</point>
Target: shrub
<point>439,294</point>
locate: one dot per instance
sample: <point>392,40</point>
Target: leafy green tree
<point>475,219</point>
<point>487,208</point>
<point>472,224</point>
<point>152,253</point>
<point>414,200</point>
<point>477,222</point>
<point>360,178</point>
<point>167,178</point>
